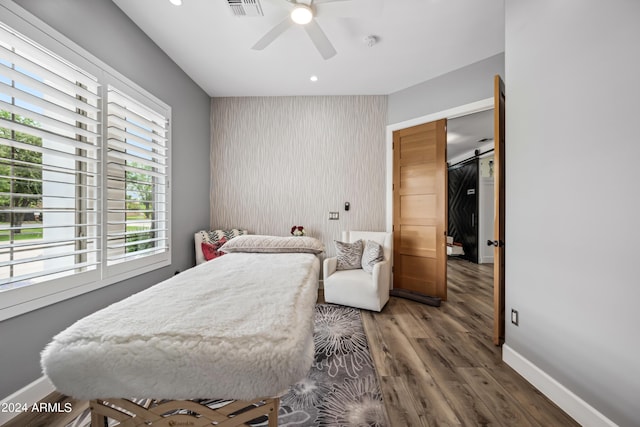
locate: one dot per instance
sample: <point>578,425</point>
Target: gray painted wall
<point>572,156</point>
<point>284,161</point>
<point>463,86</point>
<point>102,29</point>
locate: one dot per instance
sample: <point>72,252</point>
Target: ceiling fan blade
<point>273,34</point>
<point>348,8</point>
<point>319,39</point>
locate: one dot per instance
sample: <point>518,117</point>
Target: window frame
<point>15,302</point>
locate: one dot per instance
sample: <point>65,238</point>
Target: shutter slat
<point>49,122</point>
<point>24,146</point>
<point>123,124</point>
<point>19,127</point>
<point>118,166</point>
<point>114,154</point>
<point>46,62</point>
<point>122,112</point>
<point>49,272</point>
<point>51,93</point>
<point>138,254</point>
<point>46,105</point>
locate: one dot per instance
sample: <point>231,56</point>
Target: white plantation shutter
<point>137,179</point>
<point>84,171</point>
<point>49,165</point>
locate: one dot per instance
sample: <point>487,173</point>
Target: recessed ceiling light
<point>301,14</point>
<point>313,78</point>
<point>176,2</point>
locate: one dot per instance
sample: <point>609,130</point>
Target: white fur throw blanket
<point>237,327</point>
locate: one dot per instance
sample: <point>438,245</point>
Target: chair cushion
<point>349,255</point>
<point>354,288</point>
<point>372,254</point>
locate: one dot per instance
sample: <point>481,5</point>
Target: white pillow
<point>372,254</point>
<point>273,244</point>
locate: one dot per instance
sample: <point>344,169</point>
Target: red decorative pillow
<point>211,250</point>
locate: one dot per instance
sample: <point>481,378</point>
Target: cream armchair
<point>357,288</point>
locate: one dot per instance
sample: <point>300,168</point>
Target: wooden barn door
<point>420,209</point>
<point>463,206</point>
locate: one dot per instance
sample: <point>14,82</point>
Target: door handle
<point>496,243</point>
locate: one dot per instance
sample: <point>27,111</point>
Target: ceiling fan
<point>304,13</point>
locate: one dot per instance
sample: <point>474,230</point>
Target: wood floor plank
<point>530,399</point>
<point>429,401</point>
<point>438,319</point>
<point>470,410</point>
<point>497,399</point>
<point>403,361</point>
<point>382,357</point>
<point>397,403</point>
<point>411,325</point>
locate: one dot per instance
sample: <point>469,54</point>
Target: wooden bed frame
<point>182,413</point>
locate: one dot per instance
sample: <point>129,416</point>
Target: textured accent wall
<point>283,161</point>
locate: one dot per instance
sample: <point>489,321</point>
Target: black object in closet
<point>463,206</point>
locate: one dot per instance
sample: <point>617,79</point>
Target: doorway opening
<point>470,186</point>
<point>471,206</point>
<point>451,114</point>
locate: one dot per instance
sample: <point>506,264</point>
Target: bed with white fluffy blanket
<point>237,327</point>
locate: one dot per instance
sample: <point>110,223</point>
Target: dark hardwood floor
<point>437,365</point>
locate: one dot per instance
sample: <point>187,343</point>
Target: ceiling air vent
<point>245,7</point>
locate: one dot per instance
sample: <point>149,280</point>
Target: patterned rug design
<point>341,389</point>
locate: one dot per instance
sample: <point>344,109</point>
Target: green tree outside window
<point>20,173</point>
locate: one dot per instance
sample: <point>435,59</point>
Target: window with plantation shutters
<point>84,171</point>
<point>49,165</point>
<point>137,179</point>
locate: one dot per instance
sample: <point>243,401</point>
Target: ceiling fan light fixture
<point>301,14</point>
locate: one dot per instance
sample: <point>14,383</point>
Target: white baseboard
<point>29,394</point>
<point>573,405</point>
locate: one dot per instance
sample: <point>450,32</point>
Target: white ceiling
<point>418,40</point>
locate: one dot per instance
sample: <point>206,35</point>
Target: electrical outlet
<point>334,215</point>
<point>514,317</point>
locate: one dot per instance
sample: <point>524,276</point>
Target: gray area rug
<point>341,389</point>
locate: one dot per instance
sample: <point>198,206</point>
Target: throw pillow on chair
<point>372,254</point>
<point>349,255</point>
